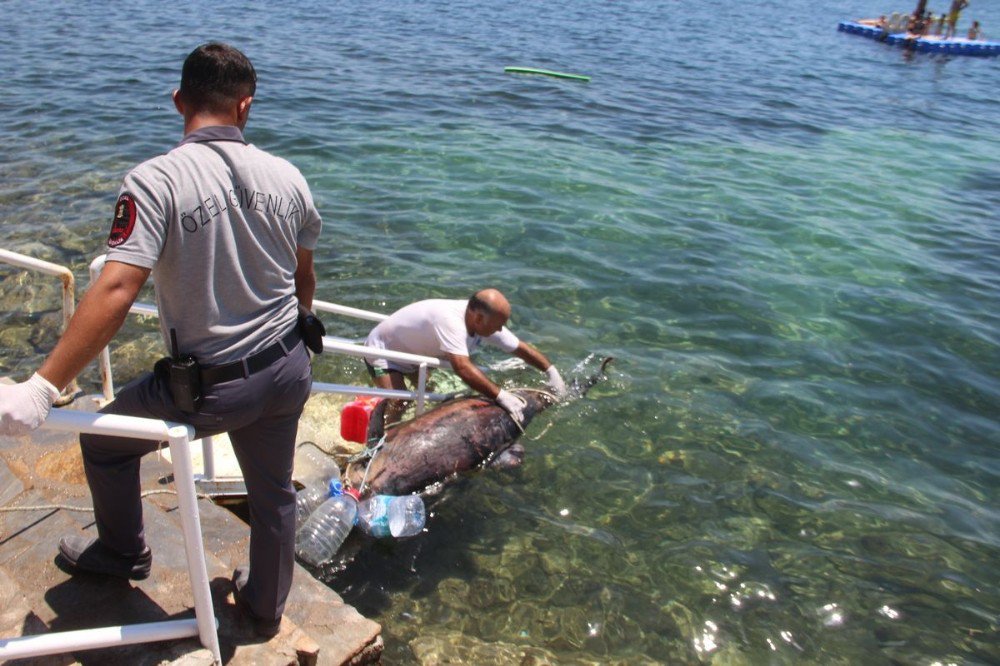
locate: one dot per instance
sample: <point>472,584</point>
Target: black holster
<point>183,377</point>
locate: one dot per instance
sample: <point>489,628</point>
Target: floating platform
<point>931,44</point>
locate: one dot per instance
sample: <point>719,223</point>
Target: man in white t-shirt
<point>451,330</point>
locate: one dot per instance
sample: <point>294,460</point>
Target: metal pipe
<point>350,389</point>
<point>180,457</point>
<point>108,424</point>
<point>90,639</point>
<point>421,387</point>
<point>351,349</point>
<point>65,275</point>
<point>40,265</point>
<point>104,358</point>
<point>208,458</point>
<point>325,306</point>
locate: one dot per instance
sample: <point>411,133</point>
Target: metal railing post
<point>65,275</point>
<point>421,387</point>
<point>208,458</point>
<point>180,457</point>
<point>104,358</point>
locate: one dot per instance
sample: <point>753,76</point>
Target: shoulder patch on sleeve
<point>124,220</point>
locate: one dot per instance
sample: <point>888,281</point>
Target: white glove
<point>25,406</point>
<point>555,382</point>
<point>514,404</point>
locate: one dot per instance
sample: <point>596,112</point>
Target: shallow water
<point>787,236</point>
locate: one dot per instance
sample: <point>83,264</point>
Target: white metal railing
<point>204,624</point>
<point>330,343</point>
<point>68,293</point>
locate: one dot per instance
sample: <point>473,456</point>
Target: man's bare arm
<point>532,356</point>
<point>98,317</point>
<point>473,376</point>
<point>305,277</point>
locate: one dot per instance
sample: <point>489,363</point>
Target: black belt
<point>227,372</point>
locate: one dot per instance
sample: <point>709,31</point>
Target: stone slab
<point>41,475</point>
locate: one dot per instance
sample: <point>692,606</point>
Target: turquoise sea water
<point>788,237</point>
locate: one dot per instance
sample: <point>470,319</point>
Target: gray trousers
<point>261,414</point>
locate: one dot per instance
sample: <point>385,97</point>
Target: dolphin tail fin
<point>581,386</point>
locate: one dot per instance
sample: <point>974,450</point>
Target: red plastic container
<point>354,417</point>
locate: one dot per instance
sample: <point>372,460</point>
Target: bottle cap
<point>353,492</point>
<point>336,487</point>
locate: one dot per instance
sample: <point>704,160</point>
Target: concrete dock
<point>43,496</point>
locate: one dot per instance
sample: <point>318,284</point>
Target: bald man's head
<point>488,310</point>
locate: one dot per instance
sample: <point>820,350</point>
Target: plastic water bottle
<point>313,464</point>
<point>326,529</point>
<point>406,515</point>
<point>311,497</point>
<point>389,515</point>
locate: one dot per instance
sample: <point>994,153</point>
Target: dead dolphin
<point>457,436</point>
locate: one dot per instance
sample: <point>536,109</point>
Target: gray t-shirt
<point>218,221</point>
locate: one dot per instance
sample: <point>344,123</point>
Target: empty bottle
<point>389,515</point>
<point>309,498</point>
<point>313,464</point>
<point>325,529</point>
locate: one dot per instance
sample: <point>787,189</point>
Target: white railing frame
<point>330,343</point>
<point>65,275</point>
<point>204,624</point>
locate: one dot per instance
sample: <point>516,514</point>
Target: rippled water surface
<point>788,237</point>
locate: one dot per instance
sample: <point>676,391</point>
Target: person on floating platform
<point>975,32</point>
<point>928,24</point>
<point>229,274</point>
<point>880,22</point>
<point>953,13</point>
<point>451,330</point>
<point>939,25</point>
<point>919,24</point>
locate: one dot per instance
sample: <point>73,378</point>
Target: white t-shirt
<point>436,328</point>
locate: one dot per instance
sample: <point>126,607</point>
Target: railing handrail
<point>358,313</point>
<point>330,343</point>
<point>204,625</point>
<point>68,291</point>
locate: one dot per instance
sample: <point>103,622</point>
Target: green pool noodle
<point>532,70</point>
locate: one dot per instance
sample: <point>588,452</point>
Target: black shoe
<point>261,626</point>
<point>92,556</point>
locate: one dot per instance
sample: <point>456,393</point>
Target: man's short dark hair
<point>215,76</point>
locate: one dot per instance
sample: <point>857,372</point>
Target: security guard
<point>228,233</point>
